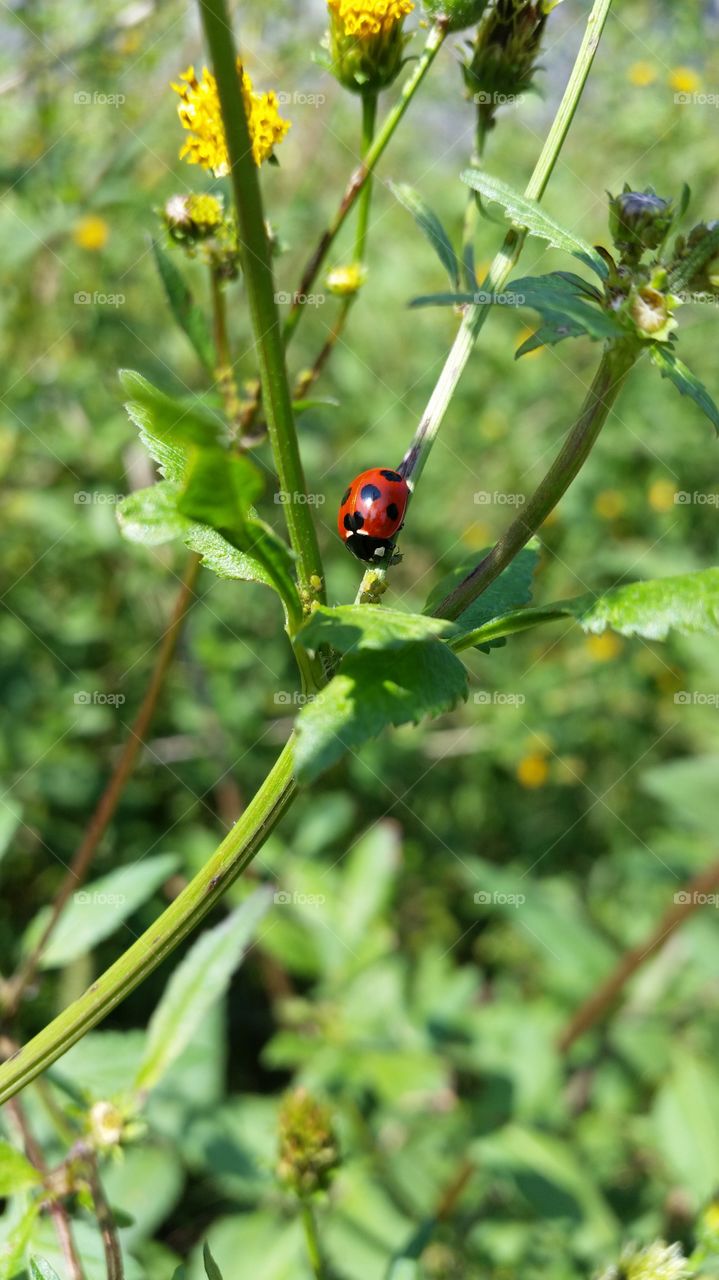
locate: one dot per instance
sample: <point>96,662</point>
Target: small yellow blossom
<point>662,495</point>
<point>609,504</point>
<point>533,770</point>
<point>366,18</point>
<point>684,80</point>
<point>604,647</point>
<point>200,114</point>
<point>91,233</point>
<point>344,281</point>
<point>642,74</point>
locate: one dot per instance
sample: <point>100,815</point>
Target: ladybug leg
<point>396,557</point>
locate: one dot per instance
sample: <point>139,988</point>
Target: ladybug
<point>372,512</point>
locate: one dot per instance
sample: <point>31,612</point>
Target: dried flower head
<point>200,114</point>
<point>308,1147</point>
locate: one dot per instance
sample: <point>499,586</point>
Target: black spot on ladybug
<point>359,520</point>
<point>393,511</point>
<point>348,522</point>
<point>370,493</point>
<point>391,475</point>
<point>346,496</point>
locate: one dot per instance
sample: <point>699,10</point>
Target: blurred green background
<point>427,1017</point>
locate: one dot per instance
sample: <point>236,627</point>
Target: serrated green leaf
<point>429,223</point>
<point>356,627</point>
<point>167,427</point>
<point>16,1172</point>
<point>212,1271</point>
<point>372,691</point>
<point>686,382</point>
<point>98,909</point>
<point>219,489</point>
<point>528,214</point>
<point>189,316</point>
<point>556,301</point>
<point>150,516</point>
<point>511,589</point>
<point>201,979</point>
<point>41,1270</point>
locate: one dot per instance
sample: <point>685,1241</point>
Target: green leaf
<point>150,516</point>
<point>555,300</point>
<point>686,1120</point>
<point>98,909</point>
<point>197,983</point>
<point>16,1172</point>
<point>512,588</point>
<point>686,382</point>
<point>18,1223</point>
<point>168,428</point>
<point>692,264</point>
<point>360,627</point>
<point>430,224</point>
<point>372,691</point>
<point>212,1271</point>
<point>41,1270</point>
<point>528,214</point>
<point>189,316</point>
<point>220,489</point>
<point>549,334</point>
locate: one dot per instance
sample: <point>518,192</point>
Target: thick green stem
<point>414,461</point>
<point>613,368</point>
<point>160,940</point>
<point>363,173</point>
<point>259,282</point>
<point>313,1240</point>
<point>369,116</point>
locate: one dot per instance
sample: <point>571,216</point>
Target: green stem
<point>313,1240</point>
<point>613,369</point>
<point>497,276</point>
<point>363,173</point>
<point>369,117</point>
<point>259,282</point>
<point>160,940</point>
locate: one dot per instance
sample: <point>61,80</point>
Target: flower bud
<point>308,1152</point>
<point>345,281</point>
<point>705,278</point>
<point>367,42</point>
<point>456,14</point>
<point>639,220</point>
<point>658,1261</point>
<point>502,60</point>
<point>192,218</point>
<point>107,1125</point>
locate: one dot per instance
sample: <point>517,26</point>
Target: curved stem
<point>259,282</point>
<point>373,582</point>
<point>160,940</point>
<point>363,173</point>
<point>110,798</point>
<point>313,1240</point>
<point>613,368</point>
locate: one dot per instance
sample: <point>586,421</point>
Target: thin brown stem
<point>687,902</point>
<point>105,1221</point>
<point>110,798</point>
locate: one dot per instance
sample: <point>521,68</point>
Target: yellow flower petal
<point>199,112</point>
<point>684,80</point>
<point>533,771</point>
<point>91,233</point>
<point>364,19</point>
<point>642,74</point>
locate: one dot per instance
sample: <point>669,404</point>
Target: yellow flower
<point>642,74</point>
<point>200,114</point>
<point>662,495</point>
<point>91,233</point>
<point>684,80</point>
<point>366,18</point>
<point>533,770</point>
<point>609,504</point>
<point>344,281</point>
<point>604,647</point>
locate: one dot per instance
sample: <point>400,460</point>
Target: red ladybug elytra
<point>372,512</point>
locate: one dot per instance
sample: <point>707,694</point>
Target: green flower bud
<point>639,220</point>
<point>192,218</point>
<point>309,1152</point>
<point>502,61</point>
<point>705,254</point>
<point>456,14</point>
<point>366,42</point>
